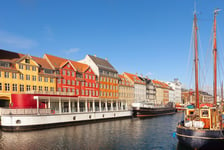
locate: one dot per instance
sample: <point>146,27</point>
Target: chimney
<point>106,59</point>
<point>94,55</point>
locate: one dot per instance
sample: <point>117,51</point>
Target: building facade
<point>126,90</point>
<point>176,86</point>
<point>139,86</point>
<point>20,73</point>
<point>108,82</point>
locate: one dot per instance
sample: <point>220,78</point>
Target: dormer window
<point>27,61</point>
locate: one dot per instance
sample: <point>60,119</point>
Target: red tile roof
<point>134,78</point>
<point>125,81</point>
<point>160,84</point>
<point>55,61</point>
<point>42,62</point>
<point>80,67</point>
<point>58,62</point>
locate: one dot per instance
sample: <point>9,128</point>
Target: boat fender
<point>52,111</point>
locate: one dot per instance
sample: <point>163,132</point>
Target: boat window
<point>191,112</point>
<point>204,113</point>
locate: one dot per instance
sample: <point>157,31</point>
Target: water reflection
<point>151,133</point>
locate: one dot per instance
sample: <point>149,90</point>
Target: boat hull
<point>149,112</point>
<point>35,122</point>
<point>200,138</point>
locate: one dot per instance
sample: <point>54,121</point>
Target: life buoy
<point>52,111</point>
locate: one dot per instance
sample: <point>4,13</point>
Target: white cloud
<point>14,41</point>
<point>72,50</point>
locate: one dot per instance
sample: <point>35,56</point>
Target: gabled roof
<point>55,61</point>
<point>80,67</point>
<point>42,62</point>
<point>9,56</point>
<point>134,78</point>
<point>102,63</point>
<point>160,84</point>
<point>125,81</point>
<point>58,62</point>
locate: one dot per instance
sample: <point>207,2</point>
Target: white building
<point>176,86</point>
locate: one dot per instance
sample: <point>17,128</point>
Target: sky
<point>148,37</point>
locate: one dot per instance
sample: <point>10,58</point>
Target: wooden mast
<point>196,60</point>
<point>215,59</point>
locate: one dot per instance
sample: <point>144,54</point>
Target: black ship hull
<point>149,112</point>
<point>200,138</point>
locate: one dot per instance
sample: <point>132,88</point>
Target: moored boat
<point>144,109</point>
<point>202,125</point>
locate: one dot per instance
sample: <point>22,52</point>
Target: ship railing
<point>27,111</point>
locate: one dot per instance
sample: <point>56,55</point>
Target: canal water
<point>156,133</point>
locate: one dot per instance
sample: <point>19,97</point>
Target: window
<point>52,89</point>
<point>89,92</point>
<point>27,67</point>
<point>86,84</point>
<point>21,76</point>
<point>68,73</point>
<point>40,79</point>
<point>14,87</point>
<point>0,86</point>
<point>63,72</point>
<point>33,68</point>
<point>40,88</point>
<point>96,85</point>
<point>77,91</point>
<point>89,84</point>
<point>96,93</point>
<point>73,74</point>
<point>27,61</point>
<point>14,75</point>
<point>64,81</point>
<point>89,76</point>
<point>68,65</point>
<point>59,81</point>
<point>82,92</point>
<point>6,74</point>
<point>45,88</point>
<point>86,92</point>
<point>28,88</point>
<point>64,89</point>
<point>68,82</point>
<point>20,66</point>
<point>51,80</point>
<point>34,78</point>
<point>45,79</point>
<point>73,82</point>
<point>59,89</point>
<point>27,77</point>
<point>86,76</point>
<point>34,88</point>
<point>21,87</point>
<point>0,74</point>
<point>93,85</point>
<point>77,82</point>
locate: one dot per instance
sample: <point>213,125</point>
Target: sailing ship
<point>145,109</point>
<point>202,125</point>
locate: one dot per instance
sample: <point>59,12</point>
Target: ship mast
<point>196,60</point>
<point>215,58</point>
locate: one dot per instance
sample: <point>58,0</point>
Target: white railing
<point>27,111</point>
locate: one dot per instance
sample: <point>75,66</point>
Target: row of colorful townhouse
<point>93,80</point>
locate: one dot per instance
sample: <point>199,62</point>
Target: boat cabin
<point>204,117</point>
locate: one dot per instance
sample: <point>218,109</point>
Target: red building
<point>75,78</point>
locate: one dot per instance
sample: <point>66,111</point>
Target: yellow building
<point>21,73</point>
